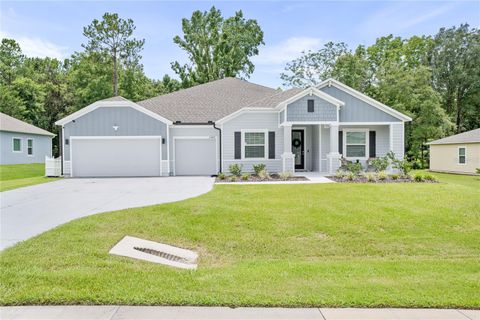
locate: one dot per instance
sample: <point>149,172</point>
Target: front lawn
<point>363,245</point>
<point>15,176</point>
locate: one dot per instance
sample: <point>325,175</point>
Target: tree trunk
<point>458,121</point>
<point>115,73</point>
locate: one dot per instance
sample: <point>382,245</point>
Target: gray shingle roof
<point>274,100</point>
<point>465,137</point>
<point>11,124</point>
<point>207,102</point>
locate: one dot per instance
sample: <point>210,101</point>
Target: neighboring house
<point>205,129</point>
<point>459,153</point>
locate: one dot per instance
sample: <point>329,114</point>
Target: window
<point>462,155</point>
<point>254,144</point>
<point>17,145</point>
<point>30,147</point>
<point>356,144</point>
<point>311,105</point>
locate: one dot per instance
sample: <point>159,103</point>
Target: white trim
<point>244,110</point>
<point>197,126</point>
<point>13,145</point>
<point>195,138</point>
<point>458,155</point>
<point>33,154</point>
<point>63,151</point>
<point>364,98</point>
<point>73,138</point>
<point>368,123</point>
<point>111,104</point>
<point>265,149</point>
<point>293,123</point>
<point>367,147</point>
<point>390,138</point>
<point>311,91</point>
<point>320,147</point>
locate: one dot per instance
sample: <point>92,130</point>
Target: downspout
<point>220,145</point>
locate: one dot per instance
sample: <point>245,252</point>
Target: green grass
<point>363,245</point>
<point>22,175</point>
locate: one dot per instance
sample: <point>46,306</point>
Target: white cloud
<point>36,47</point>
<point>286,50</point>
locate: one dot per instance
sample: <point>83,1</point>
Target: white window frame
<point>30,155</point>
<point>458,155</point>
<point>265,150</point>
<point>367,146</point>
<point>13,145</point>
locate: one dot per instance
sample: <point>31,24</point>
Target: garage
<point>116,156</point>
<point>195,156</point>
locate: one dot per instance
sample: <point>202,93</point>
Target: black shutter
<point>311,105</point>
<point>340,142</point>
<point>372,144</point>
<point>271,145</point>
<point>238,145</point>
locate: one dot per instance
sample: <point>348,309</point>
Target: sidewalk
<point>215,313</point>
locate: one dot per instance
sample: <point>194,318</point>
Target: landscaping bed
<point>382,177</point>
<point>256,178</point>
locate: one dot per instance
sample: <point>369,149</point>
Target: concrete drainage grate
<point>155,252</point>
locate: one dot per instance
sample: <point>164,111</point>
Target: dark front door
<point>298,148</point>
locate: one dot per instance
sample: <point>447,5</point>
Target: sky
<point>54,28</point>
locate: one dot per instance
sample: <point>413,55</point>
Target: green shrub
<point>245,176</point>
<point>285,175</point>
<point>478,170</point>
<point>340,174</point>
<point>350,176</point>
<point>380,164</point>
<point>233,178</point>
<point>395,176</point>
<point>221,176</point>
<point>235,169</point>
<point>382,176</point>
<point>404,166</point>
<point>263,175</point>
<point>429,177</point>
<point>259,167</point>
<point>370,176</point>
<point>354,167</point>
<point>418,177</point>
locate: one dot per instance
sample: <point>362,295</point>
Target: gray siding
<point>100,122</point>
<point>281,117</point>
<point>323,110</point>
<point>356,110</point>
<point>315,149</point>
<point>398,134</point>
<point>325,148</point>
<point>42,146</point>
<point>256,120</point>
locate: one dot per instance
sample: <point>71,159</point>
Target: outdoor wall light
<point>115,127</point>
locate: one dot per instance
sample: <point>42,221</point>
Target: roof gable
<point>11,124</point>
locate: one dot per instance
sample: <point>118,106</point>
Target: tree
<point>11,60</point>
<point>456,74</point>
<point>353,69</point>
<point>113,36</point>
<point>217,47</point>
<point>313,66</point>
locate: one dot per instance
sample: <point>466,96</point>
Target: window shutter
<point>271,145</point>
<point>238,145</point>
<point>340,142</point>
<point>372,144</point>
<point>311,105</point>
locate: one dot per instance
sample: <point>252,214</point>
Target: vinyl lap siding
<point>42,146</point>
<point>398,140</point>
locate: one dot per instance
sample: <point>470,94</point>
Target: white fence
<point>53,167</point>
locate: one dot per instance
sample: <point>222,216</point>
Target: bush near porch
<point>336,245</point>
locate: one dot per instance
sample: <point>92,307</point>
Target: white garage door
<point>115,156</point>
<point>195,157</point>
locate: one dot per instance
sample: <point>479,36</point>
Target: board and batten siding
<point>357,110</point>
<point>42,146</point>
<point>255,120</point>
<point>100,122</point>
<point>323,110</point>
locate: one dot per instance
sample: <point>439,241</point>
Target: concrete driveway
<point>29,211</point>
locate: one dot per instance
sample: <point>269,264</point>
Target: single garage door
<point>195,157</point>
<point>115,156</point>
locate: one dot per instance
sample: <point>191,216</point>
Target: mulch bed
<point>255,178</point>
<point>361,179</point>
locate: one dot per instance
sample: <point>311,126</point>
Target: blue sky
<point>50,28</point>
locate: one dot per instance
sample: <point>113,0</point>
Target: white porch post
<point>333,156</point>
<point>288,158</point>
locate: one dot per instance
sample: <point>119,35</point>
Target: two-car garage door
<point>116,156</point>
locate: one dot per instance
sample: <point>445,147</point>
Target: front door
<point>298,148</point>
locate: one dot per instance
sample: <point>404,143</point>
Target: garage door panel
<point>115,157</point>
<point>195,157</point>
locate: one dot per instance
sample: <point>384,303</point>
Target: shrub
<point>263,175</point>
<point>395,176</point>
<point>259,167</point>
<point>245,176</point>
<point>429,177</point>
<point>235,169</point>
<point>380,164</point>
<point>354,167</point>
<point>350,176</point>
<point>478,170</point>
<point>404,166</point>
<point>370,176</point>
<point>233,179</point>
<point>221,176</point>
<point>382,176</point>
<point>340,174</point>
<point>418,177</point>
<point>285,175</point>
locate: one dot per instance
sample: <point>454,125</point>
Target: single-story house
<point>204,129</point>
<point>459,153</point>
<point>22,142</point>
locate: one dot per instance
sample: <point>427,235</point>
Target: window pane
<point>356,137</point>
<point>254,151</point>
<point>30,143</point>
<point>355,151</point>
<point>461,159</point>
<point>254,137</point>
<point>461,151</point>
<point>16,144</point>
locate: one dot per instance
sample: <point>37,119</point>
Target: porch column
<point>333,156</point>
<point>288,159</point>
